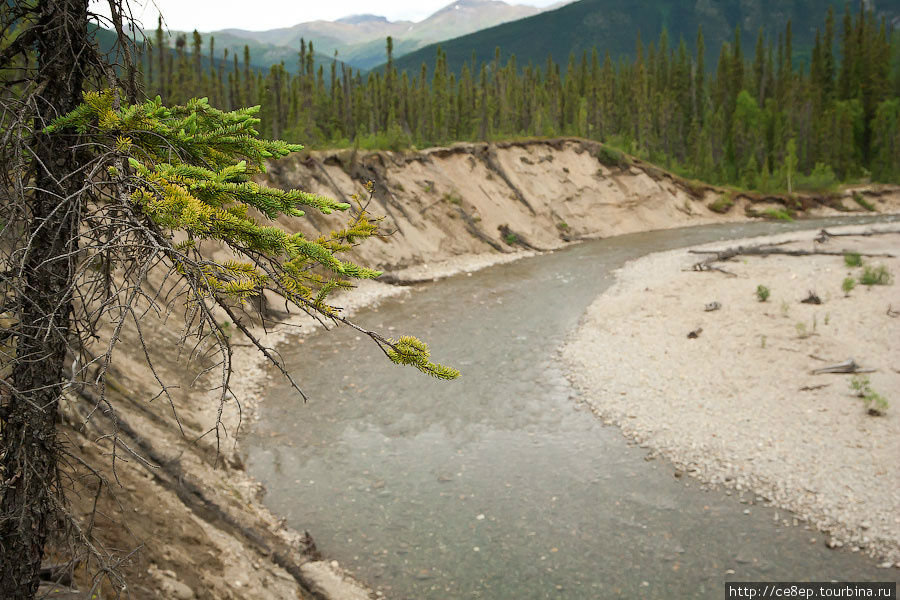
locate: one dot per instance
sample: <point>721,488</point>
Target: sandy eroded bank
<point>738,405</point>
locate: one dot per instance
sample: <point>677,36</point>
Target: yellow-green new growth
<point>409,350</point>
<point>187,170</point>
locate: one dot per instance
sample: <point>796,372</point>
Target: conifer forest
<point>760,122</point>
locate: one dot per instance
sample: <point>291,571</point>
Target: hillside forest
<point>759,122</point>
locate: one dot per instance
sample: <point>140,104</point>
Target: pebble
<point>746,511</point>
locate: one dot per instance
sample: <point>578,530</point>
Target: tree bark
<point>28,447</point>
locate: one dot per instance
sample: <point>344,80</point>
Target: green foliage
<point>862,202</point>
<point>874,403</point>
<point>187,170</point>
<point>411,351</point>
<point>511,239</point>
<point>886,140</point>
<point>877,275</point>
<point>611,157</point>
<point>780,214</point>
<point>847,285</point>
<point>576,27</point>
<point>822,179</point>
<point>452,197</point>
<point>853,259</point>
<point>722,204</point>
<point>393,139</point>
<point>762,293</point>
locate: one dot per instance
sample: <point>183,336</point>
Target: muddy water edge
<point>500,484</point>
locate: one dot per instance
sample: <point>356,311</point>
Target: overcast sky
<point>210,15</point>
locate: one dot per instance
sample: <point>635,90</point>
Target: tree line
<point>760,122</point>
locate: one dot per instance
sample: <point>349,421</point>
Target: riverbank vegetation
<point>761,122</point>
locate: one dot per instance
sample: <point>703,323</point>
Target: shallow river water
<point>501,485</point>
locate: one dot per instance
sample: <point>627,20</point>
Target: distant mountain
<point>613,26</point>
<point>360,39</point>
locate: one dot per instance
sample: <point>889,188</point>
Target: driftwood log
<point>825,235</point>
<point>708,264</point>
<point>848,366</point>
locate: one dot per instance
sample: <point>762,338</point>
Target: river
<point>501,484</point>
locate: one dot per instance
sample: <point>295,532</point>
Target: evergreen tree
<point>102,182</point>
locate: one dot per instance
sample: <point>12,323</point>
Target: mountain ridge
<point>614,26</point>
<point>359,39</point>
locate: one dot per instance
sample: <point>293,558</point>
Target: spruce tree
<point>100,182</point>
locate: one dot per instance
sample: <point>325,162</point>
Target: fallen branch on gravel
<point>812,298</point>
<point>824,235</point>
<point>764,250</point>
<point>809,388</point>
<point>848,366</point>
<point>704,266</point>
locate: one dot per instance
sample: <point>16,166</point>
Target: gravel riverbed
<point>738,406</point>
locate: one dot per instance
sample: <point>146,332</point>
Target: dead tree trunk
<point>28,446</point>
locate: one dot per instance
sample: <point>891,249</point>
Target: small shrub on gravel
<point>848,284</point>
<point>853,259</point>
<point>452,198</point>
<point>876,276</point>
<point>875,404</point>
<point>762,293</point>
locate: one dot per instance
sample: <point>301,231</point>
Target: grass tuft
<point>878,275</point>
